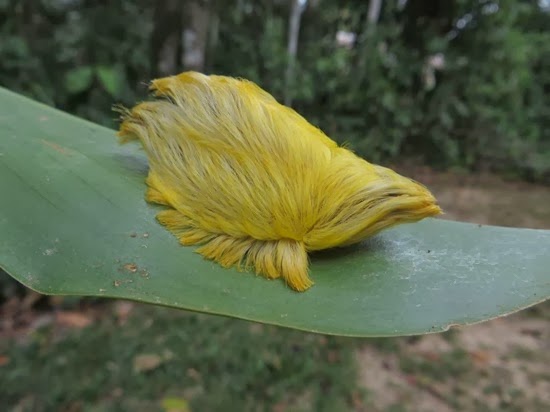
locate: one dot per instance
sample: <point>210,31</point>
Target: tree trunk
<point>213,40</point>
<point>195,36</point>
<point>293,34</point>
<point>166,47</point>
<point>374,12</point>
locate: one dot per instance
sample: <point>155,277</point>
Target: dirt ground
<point>499,365</point>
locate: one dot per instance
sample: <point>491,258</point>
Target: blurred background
<point>455,94</point>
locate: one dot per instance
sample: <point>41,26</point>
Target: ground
<point>91,355</point>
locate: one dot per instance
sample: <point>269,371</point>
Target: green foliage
<point>213,363</point>
<point>80,56</point>
<point>485,107</point>
<point>79,79</point>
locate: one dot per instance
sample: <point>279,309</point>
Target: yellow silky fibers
<point>256,185</point>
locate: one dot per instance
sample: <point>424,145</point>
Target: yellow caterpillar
<point>256,185</point>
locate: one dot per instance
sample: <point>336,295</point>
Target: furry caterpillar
<point>256,185</point>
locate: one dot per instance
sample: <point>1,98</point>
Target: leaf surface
<point>73,221</point>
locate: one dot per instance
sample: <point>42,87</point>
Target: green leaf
<point>14,46</point>
<point>79,79</point>
<point>111,78</point>
<point>175,405</point>
<point>73,221</point>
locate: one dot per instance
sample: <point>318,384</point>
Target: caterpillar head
<point>392,200</point>
<point>364,199</point>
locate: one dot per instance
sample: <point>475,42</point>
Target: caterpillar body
<point>253,183</point>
